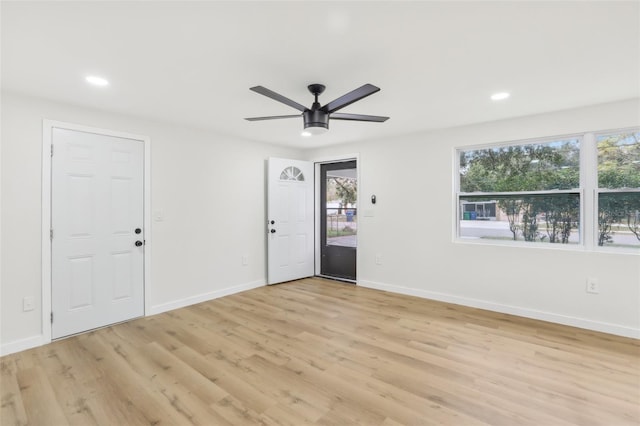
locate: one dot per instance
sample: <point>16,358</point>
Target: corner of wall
<point>204,297</point>
<point>22,344</point>
<point>587,324</point>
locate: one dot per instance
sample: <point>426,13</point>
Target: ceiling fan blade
<point>351,97</point>
<point>273,117</point>
<point>358,117</point>
<point>278,97</point>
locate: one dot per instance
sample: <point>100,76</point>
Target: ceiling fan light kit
<point>316,118</point>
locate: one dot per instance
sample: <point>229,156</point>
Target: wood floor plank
<point>12,411</point>
<point>69,373</point>
<point>403,406</point>
<point>210,368</point>
<point>39,397</point>
<point>161,372</point>
<point>319,352</point>
<point>307,399</point>
<point>128,395</point>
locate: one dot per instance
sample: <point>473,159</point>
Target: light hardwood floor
<point>325,353</point>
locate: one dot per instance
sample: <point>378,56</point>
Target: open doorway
<point>338,220</point>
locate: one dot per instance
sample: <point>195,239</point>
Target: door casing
<point>47,128</point>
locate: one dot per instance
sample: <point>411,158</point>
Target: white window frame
<point>588,192</point>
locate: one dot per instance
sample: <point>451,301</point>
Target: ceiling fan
<point>316,118</point>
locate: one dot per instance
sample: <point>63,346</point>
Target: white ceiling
<point>437,63</point>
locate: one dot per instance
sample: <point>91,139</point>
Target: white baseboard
<point>507,309</point>
<point>188,301</point>
<point>35,341</point>
<point>22,345</point>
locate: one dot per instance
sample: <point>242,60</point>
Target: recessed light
<point>500,96</point>
<point>97,81</point>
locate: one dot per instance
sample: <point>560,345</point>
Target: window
<point>536,192</point>
<point>292,173</point>
<point>526,192</point>
<point>618,189</point>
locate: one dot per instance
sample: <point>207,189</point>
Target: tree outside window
<point>535,187</point>
<point>618,187</point>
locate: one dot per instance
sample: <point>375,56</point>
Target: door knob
<point>138,243</point>
<point>138,230</point>
<point>273,222</point>
<point>273,231</point>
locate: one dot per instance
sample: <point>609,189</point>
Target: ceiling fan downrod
<point>315,117</point>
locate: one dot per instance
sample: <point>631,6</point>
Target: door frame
<point>47,130</point>
<point>326,160</point>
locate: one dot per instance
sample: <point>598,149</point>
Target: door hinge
<point>51,234</point>
<point>51,317</point>
<point>52,150</point>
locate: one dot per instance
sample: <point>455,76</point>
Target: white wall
<point>211,189</point>
<point>414,174</point>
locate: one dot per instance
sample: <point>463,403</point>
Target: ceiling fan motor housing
<point>316,118</point>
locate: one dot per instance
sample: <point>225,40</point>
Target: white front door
<point>290,220</point>
<point>97,245</point>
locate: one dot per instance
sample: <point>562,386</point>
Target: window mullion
<point>510,193</point>
<point>589,184</point>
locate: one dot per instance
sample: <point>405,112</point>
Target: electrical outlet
<point>245,260</point>
<point>378,259</point>
<point>592,285</point>
<point>28,304</point>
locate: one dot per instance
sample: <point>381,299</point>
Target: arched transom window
<point>292,173</point>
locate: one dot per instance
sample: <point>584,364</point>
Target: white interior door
<point>290,220</point>
<point>97,245</point>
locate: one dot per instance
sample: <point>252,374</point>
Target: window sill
<point>547,246</point>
